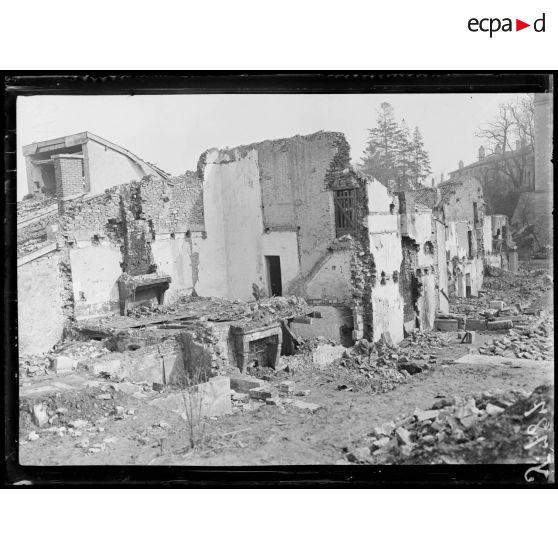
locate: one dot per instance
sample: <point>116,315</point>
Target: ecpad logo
<point>493,25</point>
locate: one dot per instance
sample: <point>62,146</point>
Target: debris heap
<point>533,341</point>
<point>487,428</point>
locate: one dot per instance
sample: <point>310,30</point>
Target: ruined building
<point>275,218</point>
<point>84,163</point>
<point>501,192</point>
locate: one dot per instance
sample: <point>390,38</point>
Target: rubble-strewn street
<point>371,403</point>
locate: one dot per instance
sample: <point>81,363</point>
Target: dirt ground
<point>125,429</point>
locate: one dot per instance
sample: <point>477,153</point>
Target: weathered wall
<point>95,271</point>
<point>108,168</point>
<point>283,244</point>
<point>441,266</point>
<point>457,201</point>
<point>234,224</point>
<point>40,314</point>
<point>387,315</point>
<point>295,194</point>
<point>331,281</point>
<point>178,257</point>
<point>385,248</point>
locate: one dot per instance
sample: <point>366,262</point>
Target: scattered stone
<point>274,401</point>
<point>260,393</point>
<point>287,386</point>
<point>79,423</point>
<point>32,436</point>
<point>104,396</point>
<point>241,397</point>
<point>423,416</point>
<point>63,364</point>
<point>403,435</point>
<point>493,409</point>
<point>359,455</point>
<point>40,415</point>
<point>306,406</point>
<point>381,442</point>
<point>302,392</point>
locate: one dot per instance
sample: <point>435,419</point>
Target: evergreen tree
<point>392,156</point>
<point>420,160</point>
<point>380,156</point>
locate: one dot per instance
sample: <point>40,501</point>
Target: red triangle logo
<point>519,25</point>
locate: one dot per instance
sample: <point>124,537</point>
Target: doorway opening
<point>274,275</point>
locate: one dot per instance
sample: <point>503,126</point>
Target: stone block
<point>446,325</point>
<point>472,324</point>
<point>326,354</point>
<point>496,304</point>
<point>286,386</point>
<point>500,324</point>
<point>426,415</point>
<point>306,406</point>
<point>260,393</point>
<point>63,364</point>
<point>40,416</point>
<point>242,383</point>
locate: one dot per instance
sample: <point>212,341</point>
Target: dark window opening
<point>274,275</point>
<point>470,240</point>
<point>475,212</point>
<point>345,211</point>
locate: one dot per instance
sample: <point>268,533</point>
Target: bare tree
<point>514,125</point>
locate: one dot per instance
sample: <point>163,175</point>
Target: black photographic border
<point>213,82</point>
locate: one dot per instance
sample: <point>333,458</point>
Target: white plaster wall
<point>284,245</point>
<point>487,228</point>
<point>212,250</point>
<point>386,249</point>
<point>387,313</point>
<point>234,226</point>
<point>109,168</point>
<point>172,256</point>
<point>95,271</point>
<point>443,302</point>
<point>379,199</point>
<point>429,289</point>
<point>333,279</point>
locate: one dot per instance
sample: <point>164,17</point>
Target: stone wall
<point>41,315</point>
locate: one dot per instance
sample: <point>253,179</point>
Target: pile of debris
<point>222,310</point>
<point>534,342</point>
<point>63,358</point>
<point>494,427</point>
<point>33,365</point>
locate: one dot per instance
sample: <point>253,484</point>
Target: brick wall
<point>68,171</point>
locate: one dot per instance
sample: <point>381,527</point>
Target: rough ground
<point>262,436</point>
<point>122,428</point>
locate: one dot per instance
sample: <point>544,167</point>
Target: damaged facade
<point>282,218</point>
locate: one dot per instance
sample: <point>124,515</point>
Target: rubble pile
<point>517,290</point>
<point>222,310</point>
<point>29,205</point>
<point>487,428</point>
<point>33,365</point>
<point>533,341</point>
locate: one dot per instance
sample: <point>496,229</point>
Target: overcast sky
<point>173,130</point>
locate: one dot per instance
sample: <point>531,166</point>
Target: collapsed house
<point>288,219</point>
